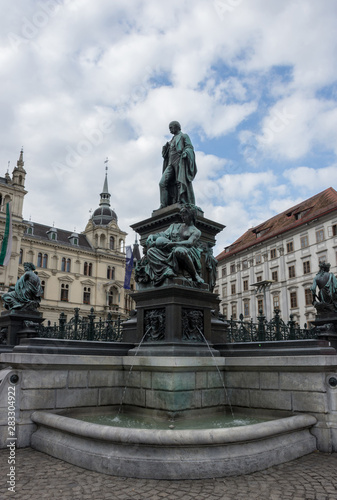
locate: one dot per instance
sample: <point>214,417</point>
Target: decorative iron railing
<point>241,330</point>
<point>78,328</point>
<point>275,329</point>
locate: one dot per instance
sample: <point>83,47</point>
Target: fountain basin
<point>173,454</point>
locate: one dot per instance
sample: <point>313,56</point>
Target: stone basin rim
<point>169,437</point>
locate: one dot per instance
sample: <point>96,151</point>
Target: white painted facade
<point>285,266</point>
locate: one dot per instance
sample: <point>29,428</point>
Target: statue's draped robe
<point>185,168</point>
<point>161,262</point>
<point>27,291</point>
<point>328,293</point>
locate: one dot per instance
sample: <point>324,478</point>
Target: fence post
<point>291,324</point>
<point>76,320</point>
<point>261,327</point>
<point>91,330</point>
<point>62,322</point>
<point>119,333</point>
<point>278,335</point>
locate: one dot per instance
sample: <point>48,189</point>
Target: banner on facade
<point>128,267</point>
<point>6,247</point>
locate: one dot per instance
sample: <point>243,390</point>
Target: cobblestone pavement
<point>39,476</point>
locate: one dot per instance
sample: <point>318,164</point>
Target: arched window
<point>68,267</point>
<point>111,297</point>
<point>110,273</point>
<point>39,260</point>
<point>85,270</point>
<point>112,243</point>
<point>90,269</point>
<point>45,260</point>
<point>63,264</point>
<point>21,256</point>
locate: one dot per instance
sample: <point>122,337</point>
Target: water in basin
<point>131,421</point>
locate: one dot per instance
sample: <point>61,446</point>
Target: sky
<point>252,82</point>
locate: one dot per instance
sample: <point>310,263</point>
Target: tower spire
<point>105,195</point>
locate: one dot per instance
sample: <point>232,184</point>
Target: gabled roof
<point>40,232</point>
<point>316,206</point>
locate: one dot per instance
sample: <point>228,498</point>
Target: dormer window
<point>73,239</point>
<point>52,234</point>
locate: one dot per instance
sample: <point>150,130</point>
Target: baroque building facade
<point>77,270</point>
<point>272,265</point>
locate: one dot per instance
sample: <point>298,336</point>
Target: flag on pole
<point>6,247</point>
<point>128,267</point>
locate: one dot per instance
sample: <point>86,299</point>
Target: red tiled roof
<point>316,206</point>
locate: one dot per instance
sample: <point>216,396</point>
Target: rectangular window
<point>293,299</point>
<point>274,275</point>
<point>246,311</point>
<point>308,297</point>
<point>304,241</point>
<point>259,278</point>
<point>334,230</point>
<point>291,271</point>
<point>260,307</point>
<point>245,264</point>
<point>245,285</point>
<point>258,259</point>
<point>233,288</point>
<point>273,253</point>
<point>224,271</point>
<point>232,268</point>
<point>306,267</point>
<point>224,291</point>
<point>290,246</point>
<point>322,258</point>
<point>64,292</point>
<point>86,295</point>
<point>234,311</point>
<point>225,311</point>
<point>319,235</point>
<point>276,302</point>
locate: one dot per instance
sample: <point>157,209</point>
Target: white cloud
<point>136,66</point>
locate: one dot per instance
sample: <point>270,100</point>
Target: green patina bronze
<point>326,300</point>
<point>179,169</point>
<point>26,294</point>
<point>174,252</point>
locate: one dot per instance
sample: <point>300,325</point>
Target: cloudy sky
<point>253,83</point>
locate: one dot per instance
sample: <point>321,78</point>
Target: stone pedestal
<point>326,325</point>
<point>174,320</point>
<point>12,324</point>
<point>179,317</point>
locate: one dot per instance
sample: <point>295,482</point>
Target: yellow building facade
<point>77,270</point>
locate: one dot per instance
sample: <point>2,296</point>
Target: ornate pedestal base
<point>174,320</point>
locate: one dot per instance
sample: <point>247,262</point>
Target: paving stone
<point>40,477</point>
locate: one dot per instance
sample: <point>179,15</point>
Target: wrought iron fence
<point>86,328</point>
<point>275,329</point>
<point>241,330</point>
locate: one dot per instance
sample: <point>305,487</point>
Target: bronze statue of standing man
<point>179,169</point>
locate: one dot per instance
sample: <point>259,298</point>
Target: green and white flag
<point>6,248</point>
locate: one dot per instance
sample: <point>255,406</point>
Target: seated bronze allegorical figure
<point>326,282</point>
<point>174,252</point>
<point>26,294</point>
